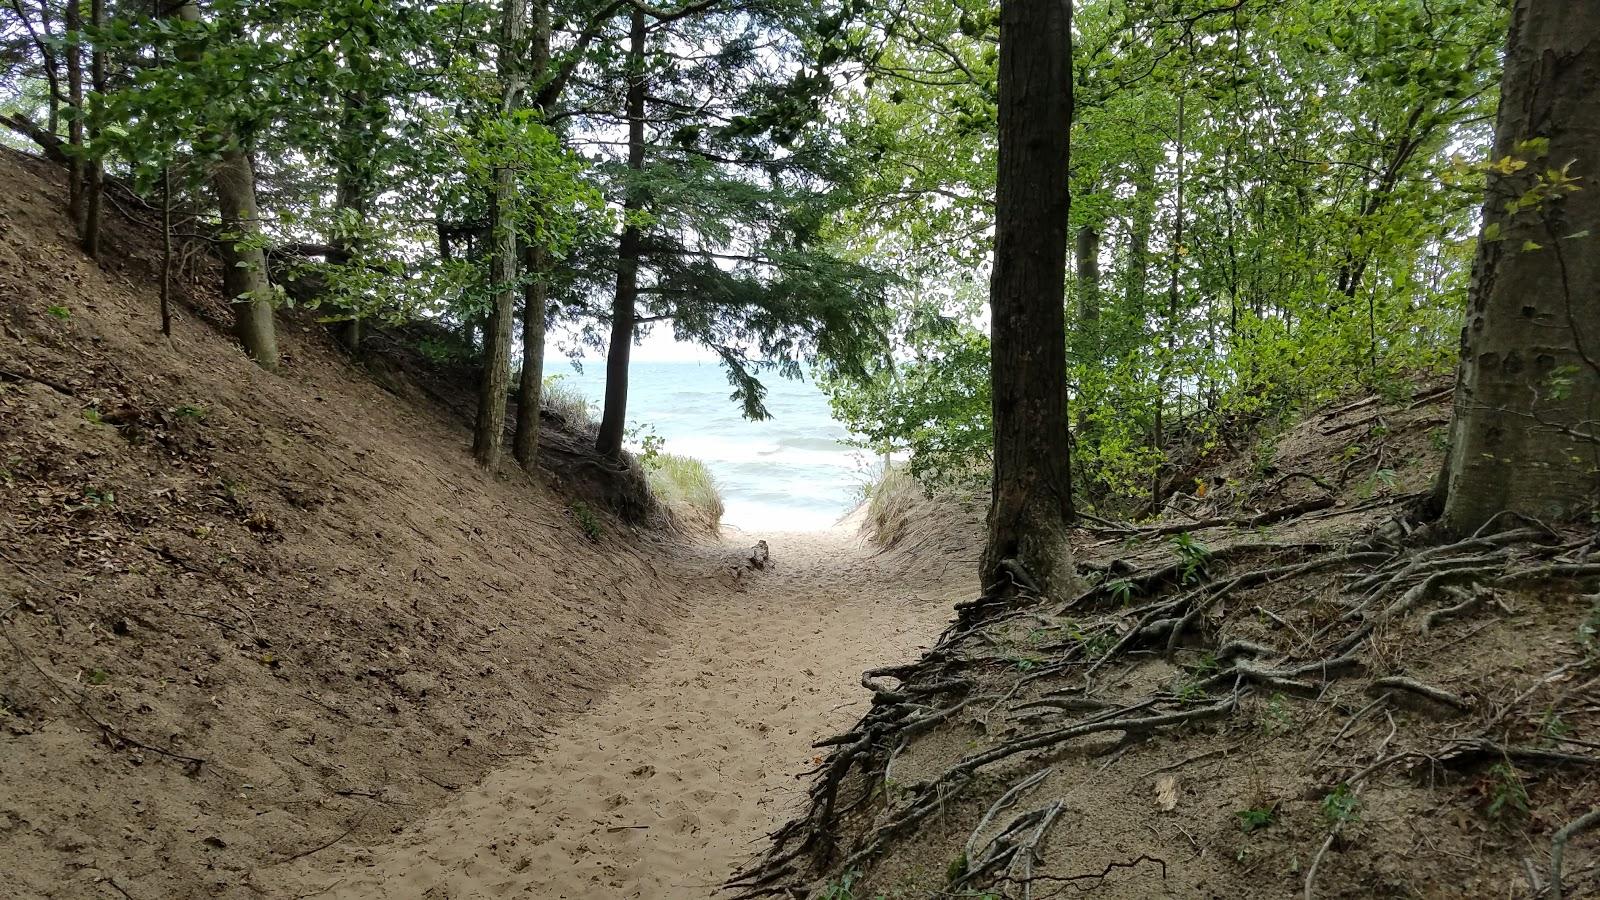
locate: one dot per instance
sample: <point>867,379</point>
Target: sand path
<point>664,786</point>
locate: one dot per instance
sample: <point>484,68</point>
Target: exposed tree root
<point>1267,517</point>
<point>857,808</point>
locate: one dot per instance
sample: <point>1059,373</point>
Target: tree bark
<point>536,286</point>
<point>1031,504</point>
<point>352,198</point>
<point>244,260</point>
<point>1087,252</point>
<point>1526,431</point>
<point>74,24</point>
<point>1174,294</point>
<point>166,250</point>
<point>530,385</point>
<point>47,59</point>
<point>489,433</point>
<point>245,281</point>
<point>1086,332</point>
<point>95,178</point>
<point>1136,276</point>
<point>624,308</point>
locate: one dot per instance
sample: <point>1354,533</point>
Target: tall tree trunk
<point>1031,505</point>
<point>74,24</point>
<point>491,425</point>
<point>1086,333</point>
<point>530,386</point>
<point>47,59</point>
<point>352,198</point>
<point>1174,293</point>
<point>95,178</point>
<point>624,307</point>
<point>244,263</point>
<point>1135,278</point>
<point>166,250</point>
<point>1526,432</point>
<point>1087,251</point>
<point>536,287</point>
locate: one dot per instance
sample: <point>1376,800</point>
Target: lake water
<point>792,472</point>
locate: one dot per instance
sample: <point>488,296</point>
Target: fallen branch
<point>51,146</point>
<point>1351,407</point>
<point>1256,521</point>
<point>1285,478</point>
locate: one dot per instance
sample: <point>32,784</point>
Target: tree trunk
<point>1526,433</point>
<point>1087,265</point>
<point>352,198</point>
<point>489,434</point>
<point>1174,293</point>
<point>624,306</point>
<point>1091,349</point>
<point>244,263</point>
<point>95,180</point>
<point>47,59</point>
<point>536,287</point>
<point>74,24</point>
<point>1137,274</point>
<point>1031,504</point>
<point>530,386</point>
<point>166,250</point>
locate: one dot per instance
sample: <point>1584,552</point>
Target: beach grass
<point>682,481</point>
<point>565,400</point>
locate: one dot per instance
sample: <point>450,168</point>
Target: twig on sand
<point>1558,848</point>
<point>1358,783</point>
<point>330,842</point>
<point>107,731</point>
<point>1411,685</point>
<point>1005,802</point>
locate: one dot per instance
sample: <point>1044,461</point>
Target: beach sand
<point>666,784</point>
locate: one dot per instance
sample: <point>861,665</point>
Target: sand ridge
<point>664,786</point>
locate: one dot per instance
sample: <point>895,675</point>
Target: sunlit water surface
<point>792,472</point>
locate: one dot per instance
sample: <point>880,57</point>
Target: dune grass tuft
<point>679,481</point>
<point>890,502</point>
<point>566,401</point>
<point>904,512</point>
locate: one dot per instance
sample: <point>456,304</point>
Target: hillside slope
<point>245,613</point>
<point>1284,687</point>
